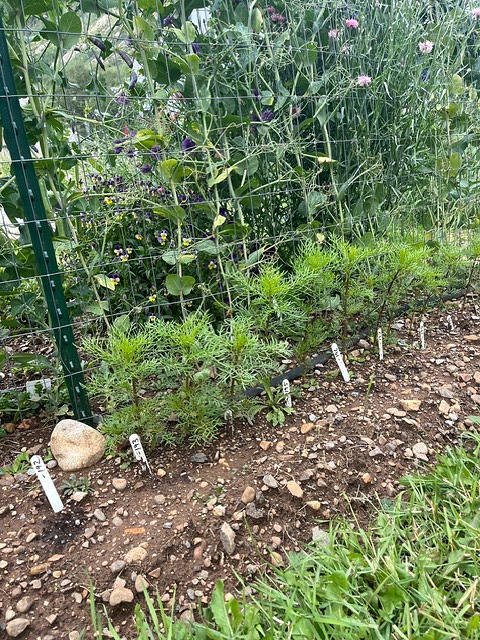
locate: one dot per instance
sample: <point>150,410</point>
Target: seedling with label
<point>46,481</point>
<point>286,393</point>
<point>340,363</point>
<point>422,335</point>
<point>380,343</point>
<point>138,451</point>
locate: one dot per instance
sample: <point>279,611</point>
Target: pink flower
<point>476,13</point>
<point>334,34</point>
<point>362,81</point>
<point>426,47</point>
<point>352,23</point>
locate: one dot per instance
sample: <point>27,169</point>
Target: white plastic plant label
<point>138,451</point>
<point>46,481</point>
<point>340,363</point>
<point>228,417</point>
<point>451,326</point>
<point>286,393</point>
<point>43,384</point>
<point>380,343</point>
<point>422,335</point>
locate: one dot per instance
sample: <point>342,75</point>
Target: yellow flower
<point>108,200</point>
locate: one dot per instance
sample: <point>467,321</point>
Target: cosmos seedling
<point>340,363</point>
<point>138,451</point>
<point>46,481</point>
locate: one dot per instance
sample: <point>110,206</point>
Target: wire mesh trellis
<point>179,143</point>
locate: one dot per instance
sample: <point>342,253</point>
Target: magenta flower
<point>363,81</point>
<point>426,47</point>
<point>476,13</point>
<point>352,23</point>
<point>334,34</point>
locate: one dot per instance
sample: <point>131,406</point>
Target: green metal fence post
<point>40,234</point>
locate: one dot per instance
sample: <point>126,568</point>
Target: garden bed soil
<point>342,452</point>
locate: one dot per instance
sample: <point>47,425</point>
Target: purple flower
<point>117,150</point>
<point>195,47</point>
<point>352,23</point>
<point>168,20</point>
<point>266,115</point>
<point>363,81</point>
<point>123,99</point>
<point>146,168</point>
<point>156,151</point>
<point>188,145</point>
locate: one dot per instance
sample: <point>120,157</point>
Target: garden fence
<point>153,150</point>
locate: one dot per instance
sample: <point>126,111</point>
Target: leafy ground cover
<point>342,453</point>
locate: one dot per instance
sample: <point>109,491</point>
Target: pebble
<point>444,407</point>
<point>366,478</point>
<point>119,484</point>
<point>445,392</point>
<point>141,583</point>
<point>420,451</point>
<point>320,537</point>
<point>120,595</point>
<point>159,499</point>
<point>410,405</point>
<point>248,495</point>
<point>270,481</point>
<point>136,554</point>
<point>294,488</point>
<point>199,458</point>
<point>253,512</point>
<point>375,452</point>
<point>227,538</point>
<point>24,604</point>
<point>117,566</point>
<point>17,626</point>
<point>314,504</point>
<point>307,427</point>
<point>276,559</point>
<point>99,515</point>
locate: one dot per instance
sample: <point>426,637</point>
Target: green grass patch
<point>413,574</point>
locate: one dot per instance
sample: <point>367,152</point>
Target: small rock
<point>270,481</point>
<point>420,451</point>
<point>24,604</point>
<point>471,338</point>
<point>117,566</point>
<point>161,473</point>
<point>141,583</point>
<point>120,595</point>
<point>408,453</point>
<point>17,626</point>
<point>307,427</point>
<point>366,478</point>
<point>314,504</point>
<point>252,511</point>
<point>38,569</point>
<point>248,495</point>
<point>51,618</point>
<point>119,484</point>
<point>411,405</point>
<point>320,537</point>
<point>445,392</point>
<point>294,488</point>
<point>137,554</point>
<point>99,515</point>
<point>78,496</point>
<point>199,458</point>
<point>227,538</point>
<point>276,559</point>
<point>331,408</point>
<point>30,537</point>
<point>444,408</point>
<point>159,499</point>
<point>376,451</point>
<point>476,398</point>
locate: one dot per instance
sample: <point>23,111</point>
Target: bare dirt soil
<point>242,504</point>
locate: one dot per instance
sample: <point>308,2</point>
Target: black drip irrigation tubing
<point>322,358</point>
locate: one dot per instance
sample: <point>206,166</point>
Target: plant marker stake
<point>286,393</point>
<point>138,451</point>
<point>341,364</point>
<point>422,335</point>
<point>46,481</point>
<point>450,323</point>
<point>380,343</point>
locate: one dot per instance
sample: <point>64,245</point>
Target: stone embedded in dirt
<point>9,615</point>
<point>155,573</point>
<point>89,532</point>
<point>294,488</point>
<point>38,569</point>
<point>24,604</point>
<point>252,511</point>
<point>76,446</point>
<point>159,499</point>
<point>248,495</point>
<point>265,444</point>
<point>120,595</point>
<point>375,452</point>
<point>141,584</point>
<point>119,484</point>
<point>390,377</point>
<point>3,564</point>
<point>314,504</point>
<point>117,566</point>
<point>411,405</point>
<point>364,344</point>
<point>307,427</point>
<point>99,515</point>
<point>476,377</point>
<point>161,473</point>
<point>270,481</point>
<point>78,496</point>
<point>444,407</point>
<point>408,453</point>
<point>136,554</point>
<point>397,413</point>
<point>227,538</point>
<point>420,451</point>
<point>366,478</point>
<point>51,618</point>
<point>471,338</point>
<point>17,626</point>
<point>199,549</point>
<point>320,537</point>
<point>276,559</point>
<point>331,408</point>
<point>199,458</point>
<point>476,398</point>
<point>445,392</point>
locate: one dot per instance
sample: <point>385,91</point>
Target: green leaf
<point>218,221</point>
<point>220,177</point>
<point>204,98</point>
<point>457,85</point>
<point>172,170</point>
<point>176,285</point>
<point>36,7</point>
<point>146,139</point>
<point>105,281</point>
<point>192,63</point>
<point>219,610</point>
<point>206,246</point>
<point>28,358</point>
<point>70,29</point>
<point>142,29</point>
<point>3,359</point>
<point>122,323</point>
<point>174,213</point>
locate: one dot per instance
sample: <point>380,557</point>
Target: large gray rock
<point>75,445</point>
